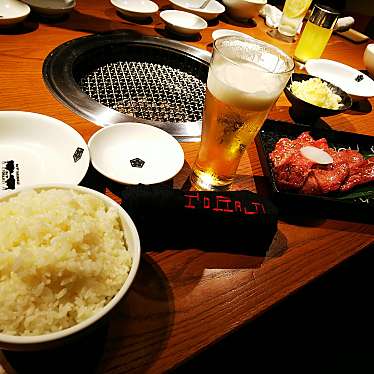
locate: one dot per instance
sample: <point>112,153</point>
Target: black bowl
<point>309,113</point>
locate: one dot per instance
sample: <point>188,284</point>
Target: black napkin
<point>233,220</point>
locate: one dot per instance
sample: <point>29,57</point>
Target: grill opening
<point>148,83</point>
<point>122,76</point>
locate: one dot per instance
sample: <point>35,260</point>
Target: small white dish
<point>355,83</point>
<point>212,10</point>
<point>12,12</point>
<point>227,32</point>
<point>51,8</point>
<point>135,8</point>
<point>36,149</point>
<point>244,9</point>
<point>369,58</point>
<point>183,22</point>
<point>133,153</point>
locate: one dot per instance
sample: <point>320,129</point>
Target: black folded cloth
<point>231,221</point>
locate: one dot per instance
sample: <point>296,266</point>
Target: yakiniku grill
<point>122,76</point>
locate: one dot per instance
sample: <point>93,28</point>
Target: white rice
<point>63,257</point>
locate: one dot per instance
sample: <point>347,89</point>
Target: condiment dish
<point>12,12</point>
<point>244,9</point>
<point>307,112</point>
<point>136,8</point>
<point>183,23</point>
<point>51,8</point>
<point>210,11</point>
<point>133,153</point>
<point>357,84</point>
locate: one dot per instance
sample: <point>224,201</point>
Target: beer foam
<point>246,85</point>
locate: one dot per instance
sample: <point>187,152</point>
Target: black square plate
<point>357,204</point>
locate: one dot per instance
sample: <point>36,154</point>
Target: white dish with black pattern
<point>135,153</point>
<point>38,149</point>
<point>354,82</point>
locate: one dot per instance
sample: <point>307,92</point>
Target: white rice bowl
<point>68,254</point>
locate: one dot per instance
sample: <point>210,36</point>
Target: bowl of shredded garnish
<point>312,98</point>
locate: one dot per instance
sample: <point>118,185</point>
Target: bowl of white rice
<point>68,255</point>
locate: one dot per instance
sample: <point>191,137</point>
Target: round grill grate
<point>146,90</point>
<point>122,76</point>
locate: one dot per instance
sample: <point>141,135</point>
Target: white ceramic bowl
<point>36,149</point>
<point>227,32</point>
<point>12,12</point>
<point>135,8</point>
<point>355,83</point>
<point>244,9</point>
<point>51,8</point>
<point>133,245</point>
<point>183,22</point>
<point>133,153</point>
<point>369,58</point>
<point>212,10</point>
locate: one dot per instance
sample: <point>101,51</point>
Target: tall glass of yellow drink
<point>293,14</point>
<point>245,79</point>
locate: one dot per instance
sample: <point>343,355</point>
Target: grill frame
<point>63,67</point>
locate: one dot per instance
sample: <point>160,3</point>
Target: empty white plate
<point>183,22</point>
<point>134,153</point>
<point>12,12</point>
<point>51,8</point>
<point>357,84</point>
<point>211,10</point>
<point>37,149</point>
<point>136,8</point>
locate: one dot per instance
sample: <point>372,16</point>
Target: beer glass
<point>245,79</point>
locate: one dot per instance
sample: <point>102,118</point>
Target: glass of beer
<point>245,79</point>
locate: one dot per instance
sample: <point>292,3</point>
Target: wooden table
<point>184,301</point>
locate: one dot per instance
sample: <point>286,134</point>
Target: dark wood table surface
<point>183,301</point>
